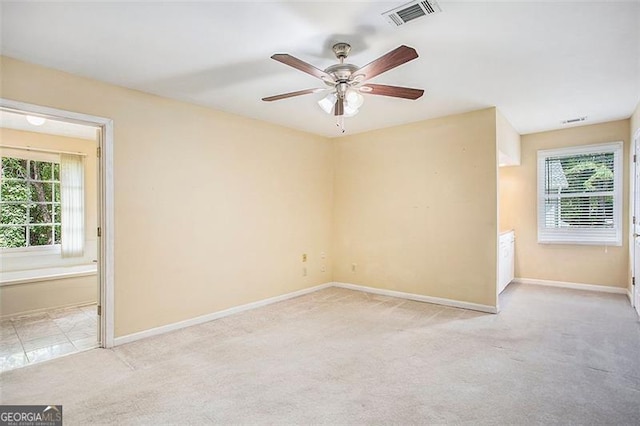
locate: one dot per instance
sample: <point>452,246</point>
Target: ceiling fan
<point>347,82</point>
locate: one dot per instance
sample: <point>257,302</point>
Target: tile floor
<point>38,337</point>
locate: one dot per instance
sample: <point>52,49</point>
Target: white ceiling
<point>538,62</point>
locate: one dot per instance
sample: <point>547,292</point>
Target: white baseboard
<point>237,309</point>
<point>630,296</point>
<point>420,298</point>
<point>215,315</point>
<point>575,286</point>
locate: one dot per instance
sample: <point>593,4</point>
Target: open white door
<point>636,221</point>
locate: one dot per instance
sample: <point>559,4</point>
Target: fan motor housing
<point>341,72</point>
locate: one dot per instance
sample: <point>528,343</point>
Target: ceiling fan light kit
<point>347,82</point>
<point>353,100</point>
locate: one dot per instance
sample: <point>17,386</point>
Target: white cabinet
<point>506,259</point>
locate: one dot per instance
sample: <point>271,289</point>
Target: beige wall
<point>558,262</point>
<point>507,212</point>
<point>416,208</point>
<point>508,141</point>
<point>30,297</point>
<point>509,155</point>
<point>212,210</point>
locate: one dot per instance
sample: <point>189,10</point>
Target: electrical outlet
<point>304,257</point>
<point>323,255</point>
<point>323,268</point>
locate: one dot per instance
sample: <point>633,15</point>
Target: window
<point>30,212</point>
<point>580,195</point>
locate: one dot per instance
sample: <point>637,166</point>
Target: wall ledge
<point>574,286</point>
<point>48,309</point>
<point>46,274</point>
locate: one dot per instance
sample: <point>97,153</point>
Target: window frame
<point>41,157</point>
<point>582,236</point>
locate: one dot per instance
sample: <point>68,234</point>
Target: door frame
<point>634,163</point>
<point>105,203</point>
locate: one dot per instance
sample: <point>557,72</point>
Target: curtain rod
<point>52,151</point>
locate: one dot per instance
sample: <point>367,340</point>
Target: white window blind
<point>580,195</point>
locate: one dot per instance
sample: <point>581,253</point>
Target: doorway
<point>103,254</point>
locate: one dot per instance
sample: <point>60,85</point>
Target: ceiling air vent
<point>410,11</point>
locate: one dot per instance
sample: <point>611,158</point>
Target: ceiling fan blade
<point>395,58</point>
<point>339,108</point>
<point>302,66</point>
<point>291,94</point>
<point>394,91</point>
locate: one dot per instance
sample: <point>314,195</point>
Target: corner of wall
<point>401,203</point>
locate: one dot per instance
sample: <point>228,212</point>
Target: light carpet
<point>336,356</point>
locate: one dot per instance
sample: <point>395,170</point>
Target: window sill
<point>31,251</point>
<point>582,243</point>
<point>46,274</point>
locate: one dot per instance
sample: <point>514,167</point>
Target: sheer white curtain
<point>72,204</point>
